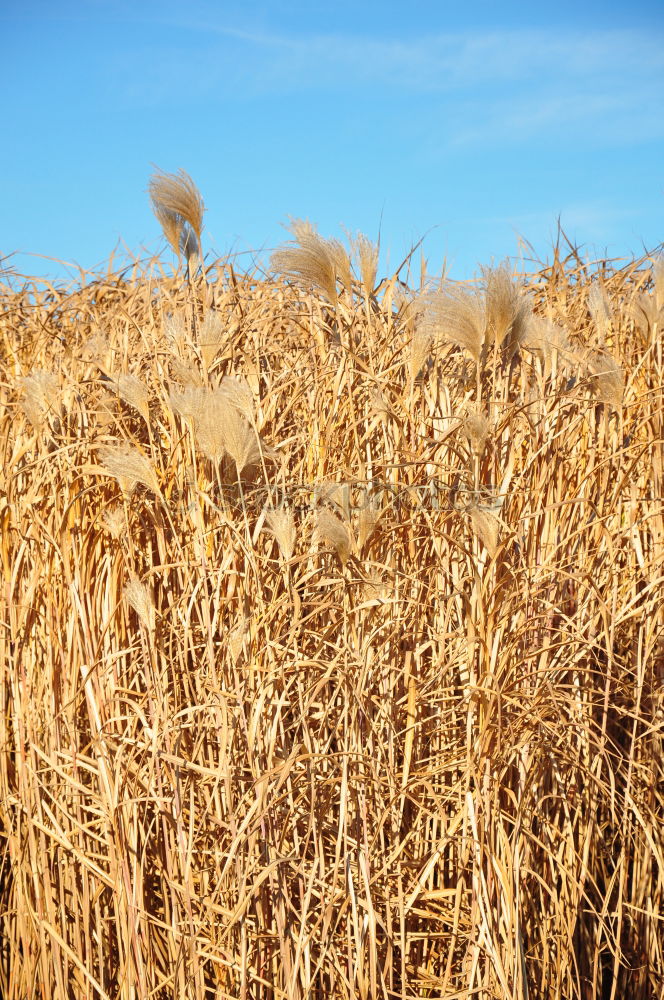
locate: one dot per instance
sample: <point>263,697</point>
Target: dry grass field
<point>332,635</point>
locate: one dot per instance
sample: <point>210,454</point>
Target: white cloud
<point>450,62</point>
<point>594,116</point>
<point>477,88</point>
<point>594,218</point>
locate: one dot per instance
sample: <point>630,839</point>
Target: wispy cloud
<point>483,87</point>
<point>589,113</point>
<point>444,62</point>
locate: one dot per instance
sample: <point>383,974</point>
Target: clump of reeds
<point>300,748</point>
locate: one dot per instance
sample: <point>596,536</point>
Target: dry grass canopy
<point>331,636</point>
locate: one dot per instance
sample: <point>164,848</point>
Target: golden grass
<point>345,681</point>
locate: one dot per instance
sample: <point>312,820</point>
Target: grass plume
<point>178,205</point>
<point>129,467</point>
<point>457,315</point>
<point>313,261</point>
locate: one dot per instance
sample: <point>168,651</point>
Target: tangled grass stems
<point>431,766</point>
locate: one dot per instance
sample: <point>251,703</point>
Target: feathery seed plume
<point>367,254</point>
<point>187,401</point>
<point>114,521</point>
<point>129,467</point>
<point>140,599</point>
<point>457,315</point>
<point>134,393</point>
<point>40,393</point>
<point>600,310</point>
<point>208,409</point>
<point>176,332</point>
<point>330,531</point>
<point>177,203</point>
<point>282,526</point>
<point>542,337</point>
<point>506,310</point>
<point>186,373</point>
<point>220,428</point>
<point>607,379</point>
<point>96,348</point>
<point>341,261</point>
<point>486,526</point>
<point>210,337</point>
<point>420,346</point>
<point>311,260</point>
<point>648,307</point>
<point>302,227</point>
<point>239,438</point>
<point>239,394</point>
<point>476,430</point>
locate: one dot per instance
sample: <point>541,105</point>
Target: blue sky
<point>476,124</point>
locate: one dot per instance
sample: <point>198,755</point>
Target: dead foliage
<point>307,695</point>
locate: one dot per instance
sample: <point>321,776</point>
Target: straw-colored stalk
<point>369,517</point>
